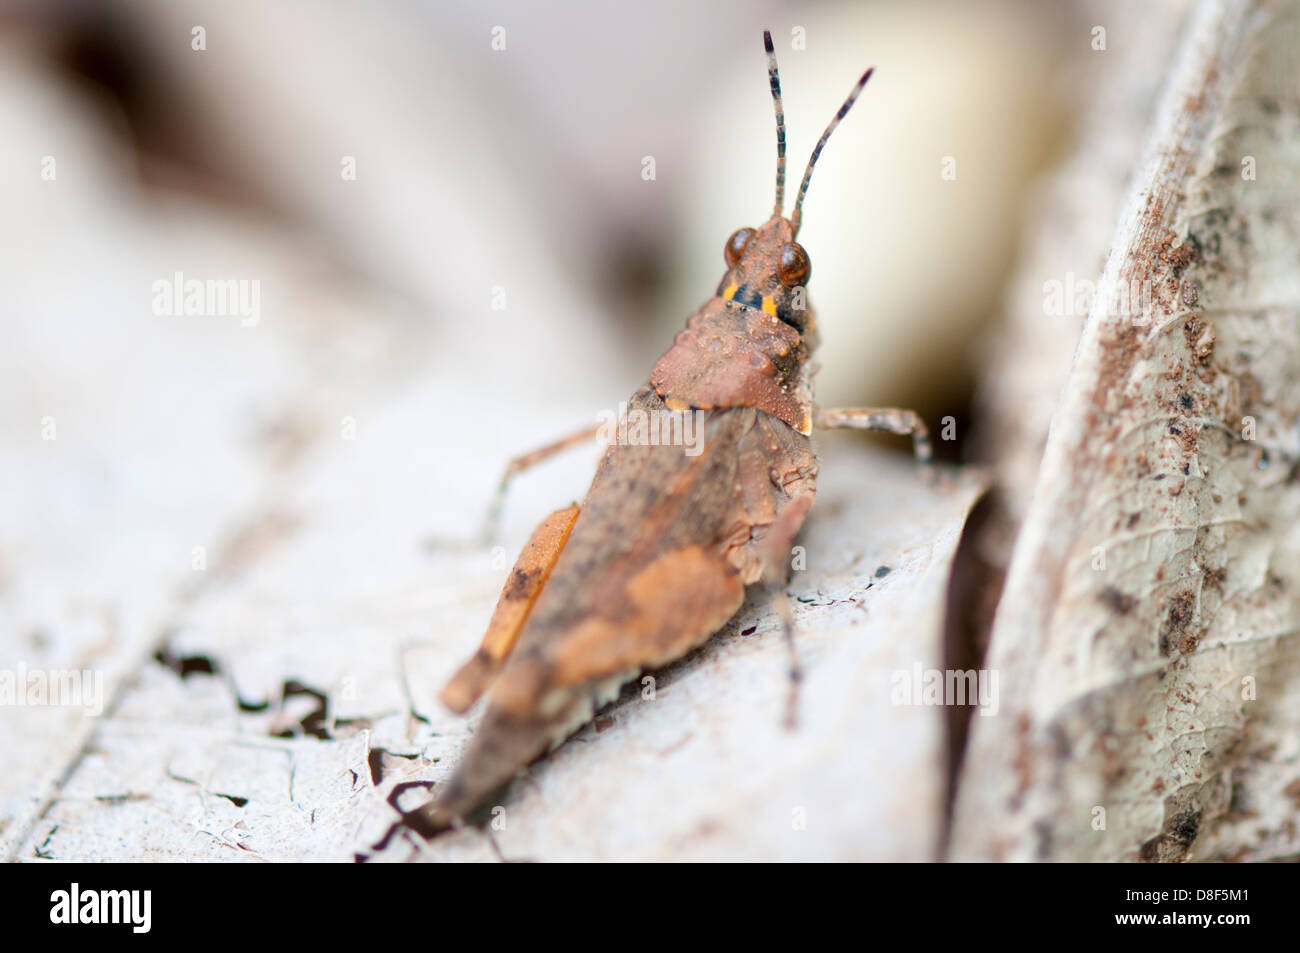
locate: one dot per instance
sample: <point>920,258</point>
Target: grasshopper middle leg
<point>775,561</point>
<point>781,602</point>
<point>518,465</point>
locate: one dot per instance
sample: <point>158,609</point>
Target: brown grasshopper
<point>657,557</point>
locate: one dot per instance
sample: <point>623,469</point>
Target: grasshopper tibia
<point>888,419</point>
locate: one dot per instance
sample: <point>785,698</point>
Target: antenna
<point>817,150</point>
<point>774,80</point>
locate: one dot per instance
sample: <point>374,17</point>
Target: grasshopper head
<point>768,270</point>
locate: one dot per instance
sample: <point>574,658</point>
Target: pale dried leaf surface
<point>1070,221</point>
<point>1163,685</point>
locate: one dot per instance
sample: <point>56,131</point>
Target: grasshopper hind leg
<point>525,583</point>
<point>522,588</point>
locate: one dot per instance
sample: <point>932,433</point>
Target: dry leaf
<point>1146,637</point>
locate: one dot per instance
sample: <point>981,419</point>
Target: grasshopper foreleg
<point>888,419</point>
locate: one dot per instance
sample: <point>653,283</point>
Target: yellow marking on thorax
<point>729,292</point>
<point>769,305</point>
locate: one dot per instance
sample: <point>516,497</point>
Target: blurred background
<point>502,146</point>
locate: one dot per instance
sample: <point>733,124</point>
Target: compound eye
<point>736,246</point>
<point>794,267</point>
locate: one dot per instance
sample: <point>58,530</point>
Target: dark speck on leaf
<point>882,572</point>
<point>1116,600</point>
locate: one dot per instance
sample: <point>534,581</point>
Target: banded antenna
<point>817,151</point>
<point>774,80</point>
